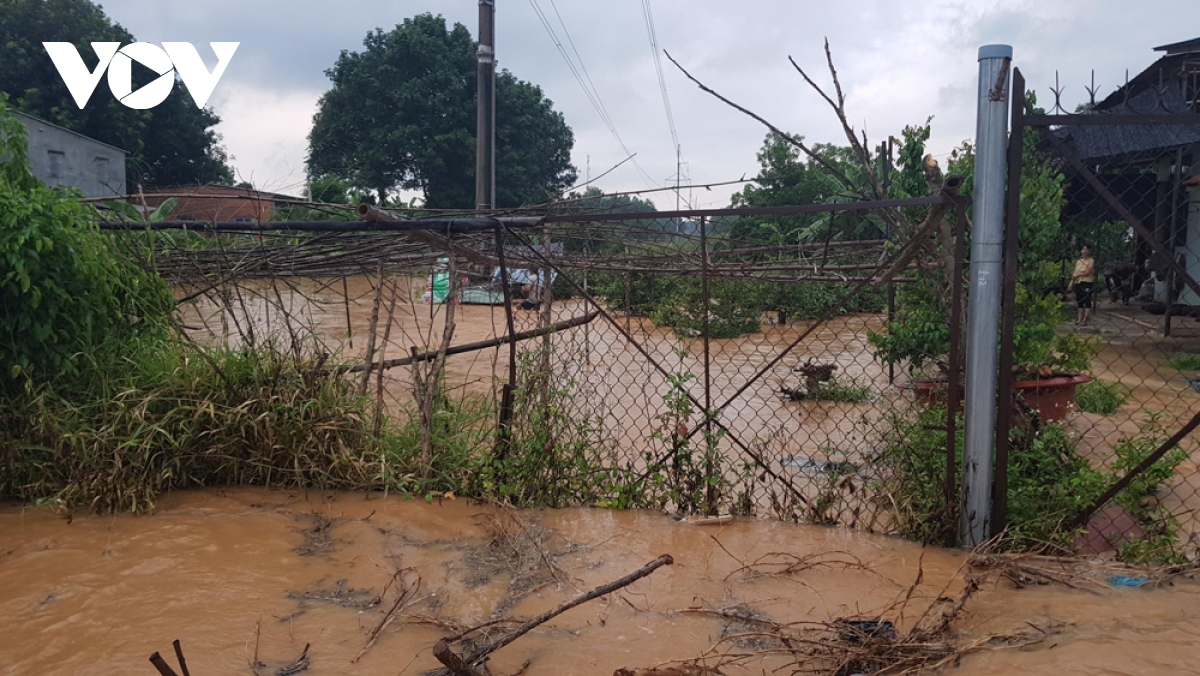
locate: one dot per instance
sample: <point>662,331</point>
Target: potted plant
<point>1047,364</point>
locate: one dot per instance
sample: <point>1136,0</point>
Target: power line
<point>592,94</point>
<point>648,15</point>
<point>652,36</point>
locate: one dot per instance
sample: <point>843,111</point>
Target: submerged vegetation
<point>1049,482</point>
<point>106,402</point>
<point>1101,397</point>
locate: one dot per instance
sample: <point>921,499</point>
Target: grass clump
<point>173,417</point>
<point>1185,361</point>
<point>1101,397</point>
<point>846,390</point>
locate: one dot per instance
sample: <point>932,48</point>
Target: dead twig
<point>405,595</point>
<point>474,664</point>
<point>301,664</point>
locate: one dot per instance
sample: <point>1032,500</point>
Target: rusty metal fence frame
<point>1158,114</point>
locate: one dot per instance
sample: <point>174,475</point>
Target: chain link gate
<point>1125,171</point>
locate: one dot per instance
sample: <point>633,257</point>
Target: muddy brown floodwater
<point>232,572</point>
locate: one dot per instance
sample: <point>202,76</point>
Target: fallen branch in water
<point>882,642</point>
<point>474,664</point>
<point>301,664</point>
<point>165,669</point>
<point>405,594</point>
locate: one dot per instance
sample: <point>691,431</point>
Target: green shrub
<point>555,456</point>
<point>736,307</point>
<point>912,474</point>
<point>1160,544</point>
<point>847,391</point>
<point>1049,482</point>
<point>68,300</point>
<point>1185,361</point>
<point>1101,397</point>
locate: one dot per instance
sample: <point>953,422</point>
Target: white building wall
<point>60,156</point>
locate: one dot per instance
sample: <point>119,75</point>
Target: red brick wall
<point>237,203</point>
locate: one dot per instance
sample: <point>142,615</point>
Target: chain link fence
<point>1122,174</point>
<point>803,363</point>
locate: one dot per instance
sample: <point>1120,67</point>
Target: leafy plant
<point>847,391</point>
<point>66,295</point>
<point>1049,482</point>
<point>1185,361</point>
<point>1160,542</point>
<point>1039,350</point>
<point>555,455</point>
<point>920,335</point>
<point>1101,397</point>
<point>687,476</point>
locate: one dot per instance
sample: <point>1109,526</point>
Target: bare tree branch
<point>837,173</point>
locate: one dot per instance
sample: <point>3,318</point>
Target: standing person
<point>1082,280</point>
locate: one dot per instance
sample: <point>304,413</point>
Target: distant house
<point>1153,167</point>
<point>59,156</point>
<point>218,203</point>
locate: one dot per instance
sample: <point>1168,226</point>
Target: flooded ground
<point>232,573</point>
<point>610,381</point>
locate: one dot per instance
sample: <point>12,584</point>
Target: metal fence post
<point>983,322</point>
<point>1012,228</point>
<point>485,117</point>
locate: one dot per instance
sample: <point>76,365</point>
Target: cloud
<point>265,130</point>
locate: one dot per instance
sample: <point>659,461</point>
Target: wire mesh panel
<point>776,340</point>
<point>701,362</point>
<point>1117,377</point>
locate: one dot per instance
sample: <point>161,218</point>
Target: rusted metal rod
<point>1085,515</point>
<point>1008,303</point>
<point>471,347</point>
<point>454,225</point>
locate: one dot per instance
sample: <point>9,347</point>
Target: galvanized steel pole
<point>485,120</point>
<point>983,322</point>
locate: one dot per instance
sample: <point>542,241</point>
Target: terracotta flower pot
<point>1050,398</point>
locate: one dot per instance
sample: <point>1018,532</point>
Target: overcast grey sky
<point>899,62</point>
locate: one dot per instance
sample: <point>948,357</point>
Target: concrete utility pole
<point>485,121</point>
<point>983,322</point>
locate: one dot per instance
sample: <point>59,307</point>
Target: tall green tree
<point>401,116</point>
<point>171,144</point>
<point>789,179</point>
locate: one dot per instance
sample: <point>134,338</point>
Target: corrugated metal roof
<point>30,118</point>
<point>1131,142</point>
<point>1183,47</point>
